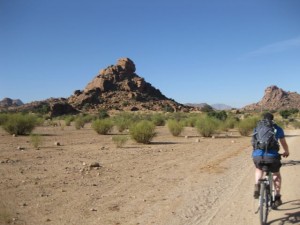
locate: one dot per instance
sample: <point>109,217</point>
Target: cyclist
<point>272,158</point>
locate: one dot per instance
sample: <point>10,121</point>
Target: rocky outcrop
<point>52,106</point>
<point>119,87</point>
<point>8,102</point>
<point>276,99</point>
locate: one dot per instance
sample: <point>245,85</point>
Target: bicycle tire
<point>263,204</point>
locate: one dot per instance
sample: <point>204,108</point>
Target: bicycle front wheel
<point>263,204</point>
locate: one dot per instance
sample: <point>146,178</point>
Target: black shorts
<point>273,164</point>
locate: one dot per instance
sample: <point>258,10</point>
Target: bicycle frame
<point>267,196</point>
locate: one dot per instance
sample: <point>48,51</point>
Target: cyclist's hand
<point>285,154</point>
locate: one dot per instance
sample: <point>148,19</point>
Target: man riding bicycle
<point>270,157</point>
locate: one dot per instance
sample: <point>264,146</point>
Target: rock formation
<point>118,87</point>
<point>276,99</point>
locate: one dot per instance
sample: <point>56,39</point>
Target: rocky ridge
<point>276,99</point>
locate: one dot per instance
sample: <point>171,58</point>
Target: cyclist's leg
<point>258,175</point>
<point>258,169</point>
<point>277,182</point>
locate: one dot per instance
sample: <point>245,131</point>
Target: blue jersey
<point>279,133</point>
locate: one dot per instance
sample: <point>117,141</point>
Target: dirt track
<point>173,181</point>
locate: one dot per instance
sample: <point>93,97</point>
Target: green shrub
<point>175,127</point>
<point>120,140</point>
<point>103,114</point>
<point>68,120</point>
<point>191,121</point>
<point>79,122</point>
<point>36,140</point>
<point>207,126</point>
<point>229,123</point>
<point>3,118</point>
<point>296,124</point>
<point>103,126</point>
<point>158,119</point>
<point>142,132</point>
<point>247,125</point>
<point>221,115</point>
<point>123,121</point>
<point>20,124</point>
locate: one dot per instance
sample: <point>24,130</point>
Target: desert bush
<point>229,123</point>
<point>175,127</point>
<point>79,122</point>
<point>20,124</point>
<point>3,118</point>
<point>142,132</point>
<point>120,140</point>
<point>158,119</point>
<point>207,126</point>
<point>103,114</point>
<point>69,120</point>
<point>36,140</point>
<point>124,120</point>
<point>191,121</point>
<point>221,115</point>
<point>296,124</point>
<point>247,125</point>
<point>102,126</point>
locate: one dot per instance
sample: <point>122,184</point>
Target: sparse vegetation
<point>296,124</point>
<point>123,121</point>
<point>142,132</point>
<point>79,122</point>
<point>102,126</point>
<point>207,126</point>
<point>246,126</point>
<point>3,118</point>
<point>285,114</point>
<point>158,119</point>
<point>120,140</point>
<point>175,127</point>
<point>69,120</point>
<point>36,140</point>
<point>20,124</point>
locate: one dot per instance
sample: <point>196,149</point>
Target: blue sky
<point>193,51</point>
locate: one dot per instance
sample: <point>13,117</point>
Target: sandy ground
<point>172,181</point>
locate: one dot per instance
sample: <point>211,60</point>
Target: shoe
<point>256,191</point>
<point>277,201</point>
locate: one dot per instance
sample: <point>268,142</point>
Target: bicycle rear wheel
<point>263,204</point>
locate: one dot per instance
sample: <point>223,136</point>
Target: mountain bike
<point>267,195</point>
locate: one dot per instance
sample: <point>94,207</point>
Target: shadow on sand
<point>288,218</point>
<point>290,162</point>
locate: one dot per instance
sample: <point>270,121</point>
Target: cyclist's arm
<point>285,147</point>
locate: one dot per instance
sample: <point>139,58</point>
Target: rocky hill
<point>276,99</point>
<point>118,87</point>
